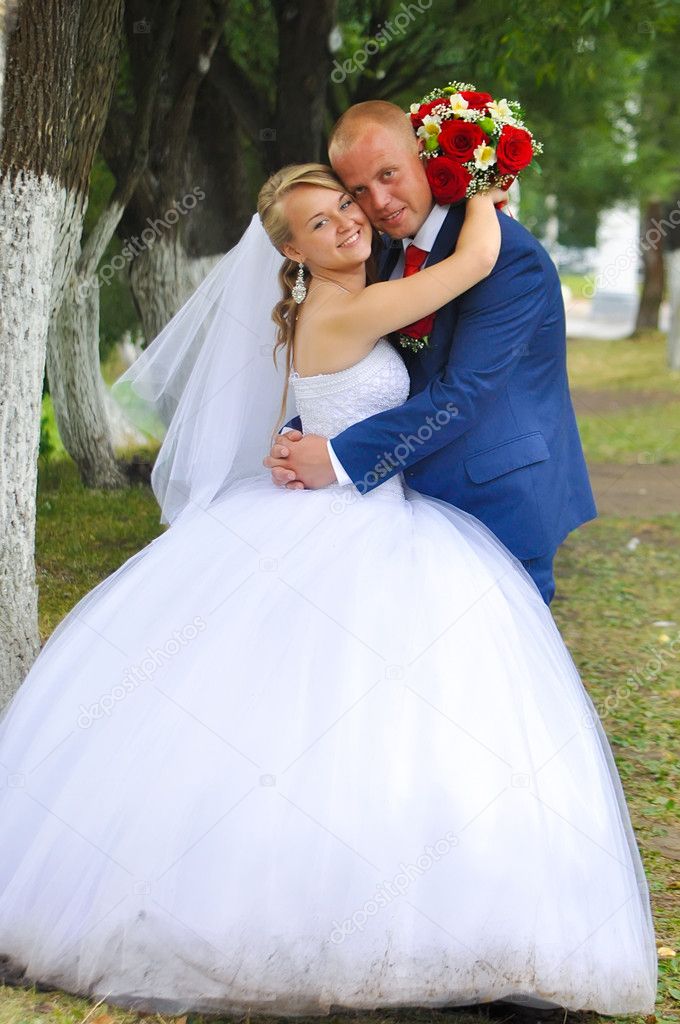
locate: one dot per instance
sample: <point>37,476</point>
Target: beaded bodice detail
<point>328,403</point>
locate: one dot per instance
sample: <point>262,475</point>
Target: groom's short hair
<point>353,123</point>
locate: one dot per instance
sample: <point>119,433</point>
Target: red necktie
<point>413,259</point>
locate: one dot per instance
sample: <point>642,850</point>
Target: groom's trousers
<point>541,572</point>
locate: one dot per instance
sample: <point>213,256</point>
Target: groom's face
<point>384,173</point>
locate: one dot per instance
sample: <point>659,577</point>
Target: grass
<point>648,434</point>
<point>83,535</point>
<point>579,284</point>
<point>646,427</point>
<point>623,365</point>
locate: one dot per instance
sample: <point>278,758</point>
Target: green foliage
<point>46,445</point>
<point>50,441</point>
<point>117,309</point>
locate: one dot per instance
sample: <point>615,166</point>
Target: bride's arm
<point>389,305</point>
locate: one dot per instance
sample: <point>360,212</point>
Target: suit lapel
<point>448,235</point>
<point>388,259</point>
<point>443,246</point>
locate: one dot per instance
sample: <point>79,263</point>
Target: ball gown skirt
<point>301,752</point>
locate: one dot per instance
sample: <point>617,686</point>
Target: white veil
<point>207,384</point>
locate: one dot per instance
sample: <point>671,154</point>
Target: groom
<point>489,425</point>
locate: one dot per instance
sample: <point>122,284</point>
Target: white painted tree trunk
<point>29,212</point>
<point>673,279</point>
<point>77,388</point>
<point>162,279</point>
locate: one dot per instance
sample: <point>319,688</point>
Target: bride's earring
<point>299,291</point>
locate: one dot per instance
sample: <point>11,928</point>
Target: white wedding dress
<point>309,749</point>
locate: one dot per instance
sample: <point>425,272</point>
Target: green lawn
<point>640,422</point>
<point>622,365</point>
<point>648,434</point>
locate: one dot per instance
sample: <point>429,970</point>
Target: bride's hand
<point>497,195</point>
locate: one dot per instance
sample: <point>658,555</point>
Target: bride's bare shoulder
<point>320,346</point>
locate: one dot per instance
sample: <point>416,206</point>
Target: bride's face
<point>329,230</point>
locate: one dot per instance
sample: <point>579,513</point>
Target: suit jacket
<point>489,425</point>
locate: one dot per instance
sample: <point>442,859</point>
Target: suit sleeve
<point>294,424</point>
<point>496,320</point>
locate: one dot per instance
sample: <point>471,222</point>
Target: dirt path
<point>593,402</point>
<point>636,490</point>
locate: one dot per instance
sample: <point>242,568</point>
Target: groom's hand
<point>300,461</point>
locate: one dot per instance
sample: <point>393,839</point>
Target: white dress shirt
<point>424,239</point>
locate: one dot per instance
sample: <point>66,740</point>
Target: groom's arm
<point>496,319</point>
<point>294,424</point>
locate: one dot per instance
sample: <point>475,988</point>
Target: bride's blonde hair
<point>272,216</point>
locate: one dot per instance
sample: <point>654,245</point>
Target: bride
<point>407,801</point>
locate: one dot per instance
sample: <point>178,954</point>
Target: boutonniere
<point>417,335</point>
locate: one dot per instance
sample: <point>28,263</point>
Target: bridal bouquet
<point>472,141</point>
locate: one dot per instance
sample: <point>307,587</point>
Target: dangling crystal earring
<point>299,291</point>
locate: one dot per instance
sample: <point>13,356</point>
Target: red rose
<point>448,179</point>
<point>425,109</point>
<point>513,151</point>
<point>459,139</point>
<point>477,100</point>
<point>420,328</point>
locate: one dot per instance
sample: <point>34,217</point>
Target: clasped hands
<point>300,460</point>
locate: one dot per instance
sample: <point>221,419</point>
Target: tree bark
<point>73,340</point>
<point>302,79</point>
<point>36,183</point>
<point>8,14</point>
<point>77,387</point>
<point>174,239</point>
<point>652,260</point>
<point>162,279</point>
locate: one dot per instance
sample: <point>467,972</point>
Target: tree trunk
<point>73,371</point>
<point>303,75</point>
<point>34,191</point>
<point>8,13</point>
<point>673,265</point>
<point>163,278</point>
<point>651,244</point>
<point>76,386</point>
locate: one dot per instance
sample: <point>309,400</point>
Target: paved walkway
<point>582,324</point>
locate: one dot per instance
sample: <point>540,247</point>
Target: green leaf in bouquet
<point>487,124</point>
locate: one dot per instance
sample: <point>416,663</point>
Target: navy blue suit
<point>489,425</point>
